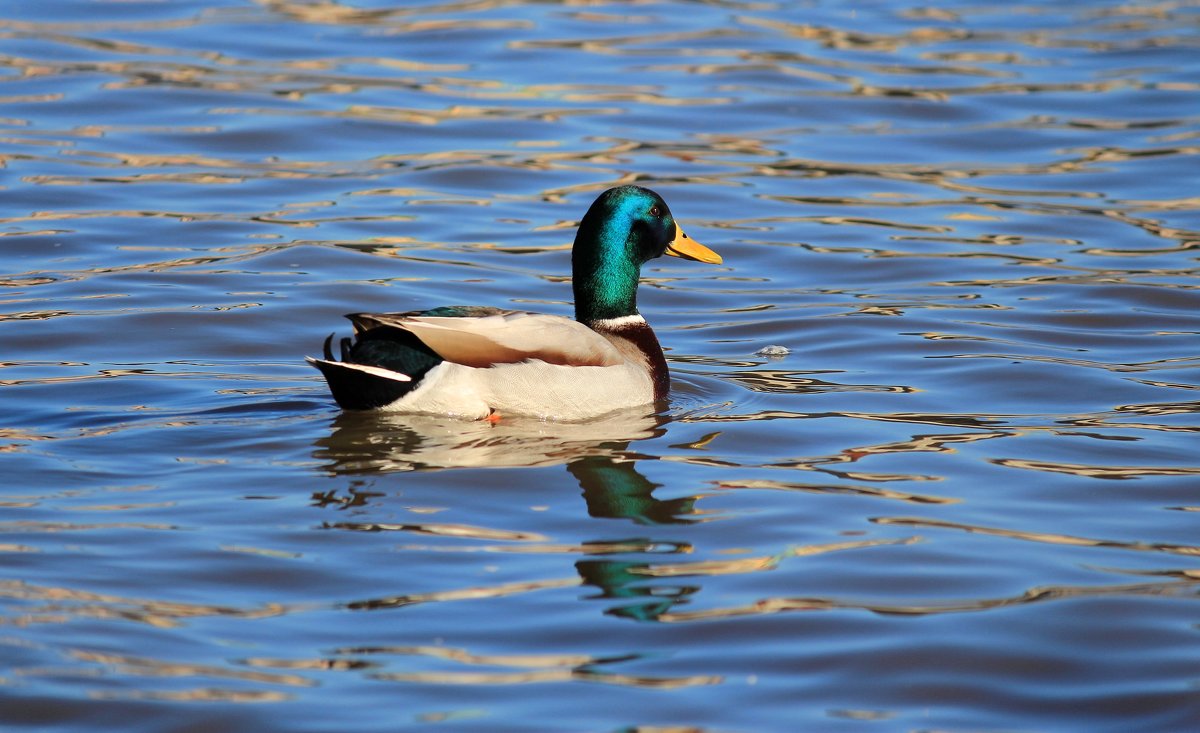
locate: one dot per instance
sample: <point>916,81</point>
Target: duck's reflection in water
<point>372,443</point>
<point>615,489</point>
<point>640,597</point>
<point>594,454</point>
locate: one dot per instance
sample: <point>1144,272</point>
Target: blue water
<point>965,500</point>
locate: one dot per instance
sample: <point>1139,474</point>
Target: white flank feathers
<point>531,388</point>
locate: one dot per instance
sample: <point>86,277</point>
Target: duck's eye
<point>655,211</point>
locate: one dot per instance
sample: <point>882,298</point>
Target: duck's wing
<point>365,321</point>
<point>484,337</point>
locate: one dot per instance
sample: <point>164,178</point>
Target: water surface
<point>966,500</point>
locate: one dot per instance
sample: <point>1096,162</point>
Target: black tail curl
<point>384,347</point>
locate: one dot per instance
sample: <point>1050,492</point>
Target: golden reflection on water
<point>499,590</point>
<point>841,488</point>
<point>202,694</point>
<point>769,606</point>
<point>441,530</point>
<point>552,675</point>
<point>543,668</point>
<point>549,548</point>
<point>1105,472</point>
<point>1046,537</point>
<point>755,564</point>
<point>142,666</point>
<point>60,605</point>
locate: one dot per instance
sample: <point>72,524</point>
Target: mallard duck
<point>478,363</point>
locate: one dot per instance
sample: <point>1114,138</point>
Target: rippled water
<point>966,500</point>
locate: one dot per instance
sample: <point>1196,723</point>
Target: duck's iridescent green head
<point>625,227</point>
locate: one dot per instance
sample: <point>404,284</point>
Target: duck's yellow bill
<point>689,249</point>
